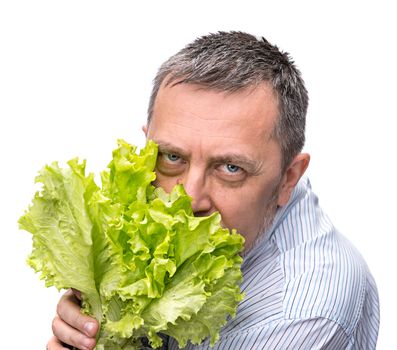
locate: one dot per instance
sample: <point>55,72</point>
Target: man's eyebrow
<point>169,147</point>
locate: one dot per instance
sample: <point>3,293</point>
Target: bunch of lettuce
<point>145,265</point>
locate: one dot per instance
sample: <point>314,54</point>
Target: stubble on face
<point>270,212</point>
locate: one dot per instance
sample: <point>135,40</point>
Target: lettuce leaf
<point>145,265</point>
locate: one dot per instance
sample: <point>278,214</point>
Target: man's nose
<point>196,186</point>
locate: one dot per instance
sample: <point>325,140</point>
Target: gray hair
<point>231,61</point>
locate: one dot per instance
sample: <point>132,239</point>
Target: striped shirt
<point>306,287</point>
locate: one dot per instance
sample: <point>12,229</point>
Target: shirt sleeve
<point>313,334</point>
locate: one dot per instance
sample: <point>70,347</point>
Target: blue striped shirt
<point>306,287</point>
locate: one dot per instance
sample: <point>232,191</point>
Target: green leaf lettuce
<point>145,265</point>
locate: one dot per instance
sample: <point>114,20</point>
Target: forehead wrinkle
<point>199,131</point>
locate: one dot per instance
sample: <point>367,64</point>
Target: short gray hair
<point>230,61</point>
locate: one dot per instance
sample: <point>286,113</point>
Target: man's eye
<point>170,164</point>
<point>231,168</point>
<point>172,157</point>
<point>231,174</point>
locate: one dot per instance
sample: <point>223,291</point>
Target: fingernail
<point>89,327</point>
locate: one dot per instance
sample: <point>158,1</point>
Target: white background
<point>76,75</point>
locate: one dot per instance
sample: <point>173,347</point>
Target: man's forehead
<point>190,112</point>
<point>262,95</point>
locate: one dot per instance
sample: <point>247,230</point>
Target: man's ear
<point>144,129</point>
<point>291,177</point>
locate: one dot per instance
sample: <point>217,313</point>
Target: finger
<point>68,335</point>
<point>55,344</point>
<point>68,310</point>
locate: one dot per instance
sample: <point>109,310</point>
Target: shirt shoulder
<point>325,276</point>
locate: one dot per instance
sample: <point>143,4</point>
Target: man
<point>228,113</point>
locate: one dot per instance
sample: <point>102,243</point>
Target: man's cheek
<point>167,184</point>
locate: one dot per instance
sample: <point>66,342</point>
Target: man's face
<point>219,146</point>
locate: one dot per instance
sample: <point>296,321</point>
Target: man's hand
<point>71,327</point>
